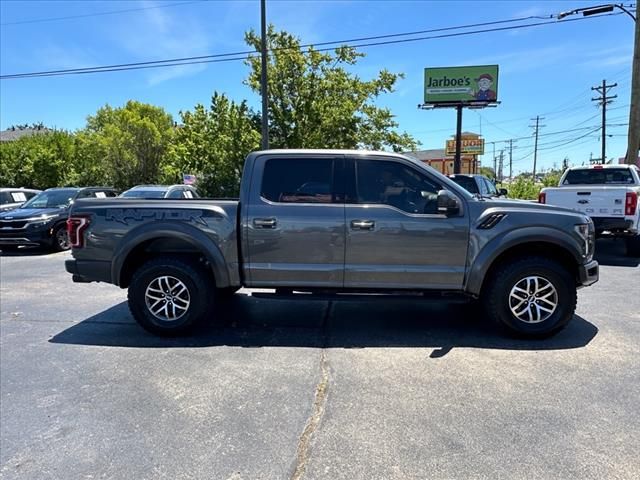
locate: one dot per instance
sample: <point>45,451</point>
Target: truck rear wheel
<point>633,246</point>
<point>533,297</point>
<point>169,295</point>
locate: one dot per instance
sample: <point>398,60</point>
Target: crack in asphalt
<point>319,403</point>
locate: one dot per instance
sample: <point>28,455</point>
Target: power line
<point>97,14</point>
<point>239,56</point>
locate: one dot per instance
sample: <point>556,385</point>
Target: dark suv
<point>41,220</point>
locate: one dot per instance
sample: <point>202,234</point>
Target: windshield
<point>144,194</point>
<point>51,199</point>
<point>468,183</point>
<point>599,176</point>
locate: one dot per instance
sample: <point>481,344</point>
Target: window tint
<point>85,194</point>
<point>491,188</point>
<point>51,199</point>
<point>595,176</point>
<point>467,183</point>
<point>5,197</point>
<point>294,180</point>
<point>482,186</point>
<point>395,184</point>
<point>177,193</point>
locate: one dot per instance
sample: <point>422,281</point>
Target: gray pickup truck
<point>338,223</point>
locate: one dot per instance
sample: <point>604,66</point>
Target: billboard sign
<point>468,146</point>
<point>461,84</point>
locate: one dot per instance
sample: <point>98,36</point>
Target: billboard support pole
<point>458,162</point>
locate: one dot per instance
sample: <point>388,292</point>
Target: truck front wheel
<point>533,297</point>
<point>169,295</point>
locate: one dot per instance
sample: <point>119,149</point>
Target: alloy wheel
<point>533,299</point>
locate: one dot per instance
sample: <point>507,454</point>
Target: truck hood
<point>527,204</point>
<point>22,213</point>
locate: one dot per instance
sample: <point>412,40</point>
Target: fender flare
<point>175,230</point>
<point>521,236</point>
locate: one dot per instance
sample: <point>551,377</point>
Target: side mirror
<point>503,192</point>
<point>448,203</point>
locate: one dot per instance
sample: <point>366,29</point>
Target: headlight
<point>585,230</point>
<point>41,220</point>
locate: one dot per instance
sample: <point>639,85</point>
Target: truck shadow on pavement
<point>26,252</point>
<point>611,252</point>
<point>251,322</point>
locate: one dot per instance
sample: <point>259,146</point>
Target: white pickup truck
<point>609,194</point>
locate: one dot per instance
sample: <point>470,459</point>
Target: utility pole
<point>603,101</point>
<point>494,160</point>
<point>263,76</point>
<point>500,177</point>
<point>633,146</point>
<point>510,159</point>
<point>457,162</point>
<point>536,129</point>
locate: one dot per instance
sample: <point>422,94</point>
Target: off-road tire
<point>496,293</point>
<point>199,284</point>
<point>633,246</point>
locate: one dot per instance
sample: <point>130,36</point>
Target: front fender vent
<point>491,221</point>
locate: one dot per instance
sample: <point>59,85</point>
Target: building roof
<point>15,133</point>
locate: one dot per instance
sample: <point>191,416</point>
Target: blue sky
<point>547,70</point>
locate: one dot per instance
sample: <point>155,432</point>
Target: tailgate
<point>592,201</point>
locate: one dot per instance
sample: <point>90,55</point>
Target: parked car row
<point>38,218</point>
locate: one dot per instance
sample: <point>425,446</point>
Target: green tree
<point>488,172</point>
<point>523,188</point>
<point>212,144</point>
<point>38,161</point>
<point>315,102</point>
<point>125,146</point>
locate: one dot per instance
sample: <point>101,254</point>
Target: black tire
<point>633,246</point>
<point>496,297</point>
<point>60,239</point>
<point>199,297</point>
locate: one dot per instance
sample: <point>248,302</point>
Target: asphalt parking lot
<point>314,389</point>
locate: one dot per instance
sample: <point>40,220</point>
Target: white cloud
<point>158,34</point>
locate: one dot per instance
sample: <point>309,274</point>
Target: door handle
<point>265,222</point>
<point>362,224</point>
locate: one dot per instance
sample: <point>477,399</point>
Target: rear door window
<point>298,180</point>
